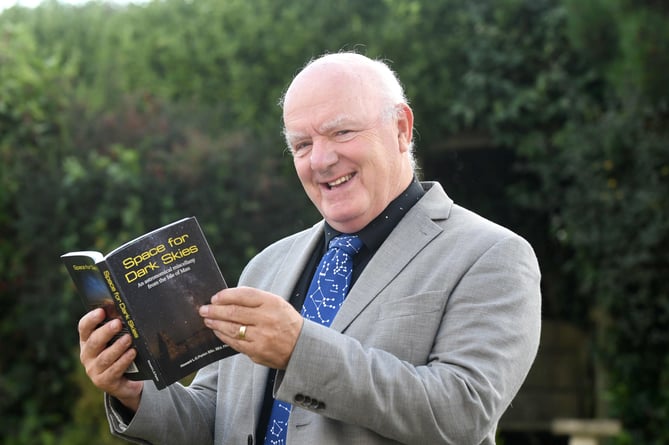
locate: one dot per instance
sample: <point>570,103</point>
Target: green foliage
<point>604,181</point>
<point>33,95</point>
<point>615,214</point>
<point>628,45</point>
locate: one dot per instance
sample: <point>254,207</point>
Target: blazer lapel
<point>295,260</point>
<point>412,234</point>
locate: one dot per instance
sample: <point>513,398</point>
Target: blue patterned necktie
<point>326,294</point>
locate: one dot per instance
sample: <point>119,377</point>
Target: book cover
<point>155,284</point>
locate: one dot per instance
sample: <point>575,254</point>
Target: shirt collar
<point>376,232</point>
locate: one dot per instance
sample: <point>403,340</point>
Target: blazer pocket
<point>412,306</point>
<point>406,327</point>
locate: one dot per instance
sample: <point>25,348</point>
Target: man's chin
<point>345,222</point>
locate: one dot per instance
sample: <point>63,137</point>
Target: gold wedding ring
<point>242,332</point>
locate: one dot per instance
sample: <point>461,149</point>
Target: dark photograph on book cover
<point>95,292</point>
<point>176,338</point>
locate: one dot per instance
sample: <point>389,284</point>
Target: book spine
<point>148,367</point>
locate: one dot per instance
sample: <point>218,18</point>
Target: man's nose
<point>323,155</point>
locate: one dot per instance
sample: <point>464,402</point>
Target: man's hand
<point>269,323</point>
<point>104,364</point>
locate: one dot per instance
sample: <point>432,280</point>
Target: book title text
<point>156,257</point>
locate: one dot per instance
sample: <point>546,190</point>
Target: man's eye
<point>301,147</point>
<point>344,135</point>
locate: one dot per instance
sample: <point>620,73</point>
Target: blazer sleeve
<point>175,414</point>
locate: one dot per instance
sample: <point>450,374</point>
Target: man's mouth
<point>340,181</point>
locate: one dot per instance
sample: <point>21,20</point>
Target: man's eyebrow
<point>292,136</point>
<point>335,123</point>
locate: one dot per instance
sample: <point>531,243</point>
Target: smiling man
<point>418,323</point>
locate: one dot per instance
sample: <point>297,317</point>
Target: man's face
<point>349,152</point>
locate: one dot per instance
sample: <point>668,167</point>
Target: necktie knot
<point>351,244</point>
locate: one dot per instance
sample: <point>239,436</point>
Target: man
<point>435,337</point>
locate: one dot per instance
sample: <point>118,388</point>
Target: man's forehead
<point>325,81</point>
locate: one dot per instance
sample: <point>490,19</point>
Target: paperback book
<point>155,284</point>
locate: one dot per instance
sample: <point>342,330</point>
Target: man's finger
<point>89,321</point>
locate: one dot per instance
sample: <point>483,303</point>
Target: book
<point>155,284</point>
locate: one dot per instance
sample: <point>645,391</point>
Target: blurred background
<point>548,116</point>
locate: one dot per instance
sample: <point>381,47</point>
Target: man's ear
<point>404,126</point>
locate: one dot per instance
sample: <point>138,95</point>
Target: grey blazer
<point>430,346</point>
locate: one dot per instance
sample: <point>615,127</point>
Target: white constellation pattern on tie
<point>278,426</point>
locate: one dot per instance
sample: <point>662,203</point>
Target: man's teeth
<point>339,181</point>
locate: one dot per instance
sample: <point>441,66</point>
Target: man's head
<point>349,128</point>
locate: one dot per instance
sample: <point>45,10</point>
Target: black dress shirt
<point>372,236</point>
